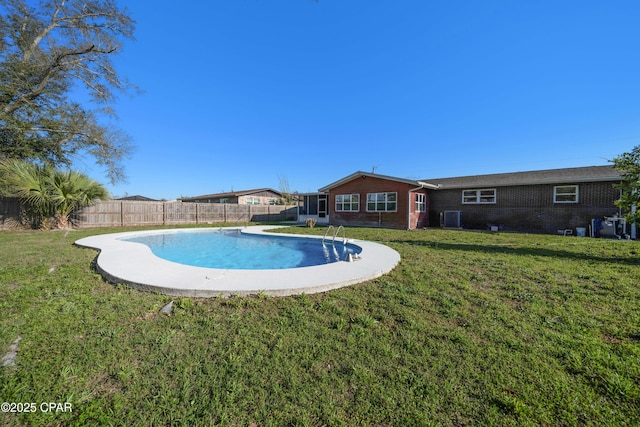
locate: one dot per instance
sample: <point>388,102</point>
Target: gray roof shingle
<point>549,176</point>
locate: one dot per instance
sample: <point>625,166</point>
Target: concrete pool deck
<point>135,265</point>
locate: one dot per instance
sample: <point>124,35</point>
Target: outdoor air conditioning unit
<point>451,219</point>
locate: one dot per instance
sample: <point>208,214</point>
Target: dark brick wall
<point>370,184</point>
<point>528,208</point>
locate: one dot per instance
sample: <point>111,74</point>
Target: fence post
<point>121,214</point>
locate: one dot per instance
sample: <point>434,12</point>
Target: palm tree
<point>28,182</point>
<point>71,190</point>
<point>46,192</point>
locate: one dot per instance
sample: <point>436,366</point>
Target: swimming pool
<point>232,249</point>
<point>122,260</point>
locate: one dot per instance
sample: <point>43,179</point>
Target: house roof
<point>234,194</point>
<point>548,176</point>
<point>138,198</point>
<point>359,174</point>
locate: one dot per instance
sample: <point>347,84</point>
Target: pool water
<point>231,249</point>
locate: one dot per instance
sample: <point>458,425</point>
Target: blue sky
<point>240,94</point>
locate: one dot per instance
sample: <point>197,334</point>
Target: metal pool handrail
<point>333,241</point>
<point>327,232</point>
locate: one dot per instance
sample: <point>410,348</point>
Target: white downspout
<point>410,201</point>
<point>422,186</point>
<point>409,208</point>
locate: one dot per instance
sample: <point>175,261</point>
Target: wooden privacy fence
<point>9,212</point>
<point>115,213</point>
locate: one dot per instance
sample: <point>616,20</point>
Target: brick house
<point>536,201</point>
<point>259,196</point>
<point>372,200</point>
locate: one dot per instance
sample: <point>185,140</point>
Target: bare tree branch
<point>43,52</point>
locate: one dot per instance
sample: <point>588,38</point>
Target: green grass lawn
<point>469,329</point>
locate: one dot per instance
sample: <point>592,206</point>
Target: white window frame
<point>476,197</point>
<point>348,202</point>
<point>421,202</point>
<point>375,200</point>
<point>252,200</point>
<point>574,194</point>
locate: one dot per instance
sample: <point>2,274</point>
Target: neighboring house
<point>259,196</point>
<point>137,198</point>
<point>543,201</point>
<point>367,199</point>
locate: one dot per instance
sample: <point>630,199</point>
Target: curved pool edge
<point>135,265</point>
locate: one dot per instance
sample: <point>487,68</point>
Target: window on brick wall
<point>421,202</point>
<point>382,202</point>
<point>347,202</point>
<point>482,196</point>
<point>565,194</point>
